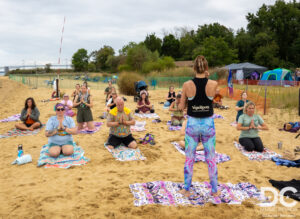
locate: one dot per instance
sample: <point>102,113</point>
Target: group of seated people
<point>61,127</point>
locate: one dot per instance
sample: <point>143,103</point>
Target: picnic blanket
<point>220,158</point>
<point>86,131</point>
<point>254,155</point>
<point>18,132</point>
<point>284,162</point>
<point>76,159</point>
<point>11,118</point>
<point>139,126</point>
<point>123,153</point>
<point>147,116</point>
<point>173,127</point>
<point>167,193</point>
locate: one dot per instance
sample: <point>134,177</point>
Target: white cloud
<point>31,29</point>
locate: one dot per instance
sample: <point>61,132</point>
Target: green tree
<point>244,44</point>
<point>102,55</point>
<point>125,48</point>
<point>216,30</point>
<point>92,67</point>
<point>217,52</point>
<point>170,46</point>
<point>153,43</point>
<point>80,60</point>
<point>187,45</point>
<point>137,55</point>
<point>281,22</point>
<point>267,55</point>
<point>114,61</point>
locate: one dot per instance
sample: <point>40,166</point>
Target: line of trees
<point>271,39</point>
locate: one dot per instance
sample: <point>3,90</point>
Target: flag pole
<point>59,55</point>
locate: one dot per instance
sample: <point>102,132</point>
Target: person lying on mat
<point>76,91</point>
<point>177,117</point>
<point>240,105</point>
<point>83,102</point>
<point>249,124</point>
<point>29,116</point>
<point>59,130</point>
<point>68,104</point>
<point>182,143</point>
<point>144,105</point>
<point>119,120</point>
<point>171,97</point>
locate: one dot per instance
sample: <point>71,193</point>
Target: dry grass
<point>280,97</point>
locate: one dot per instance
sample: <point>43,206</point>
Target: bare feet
<point>110,147</point>
<point>186,193</point>
<point>216,194</point>
<point>30,128</point>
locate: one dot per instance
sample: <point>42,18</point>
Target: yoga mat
<point>11,118</point>
<point>86,131</point>
<point>76,159</point>
<point>17,132</point>
<point>254,155</point>
<point>138,127</point>
<point>167,193</point>
<point>122,153</point>
<point>147,116</point>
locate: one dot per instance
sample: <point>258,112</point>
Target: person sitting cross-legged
<point>59,130</point>
<point>119,120</point>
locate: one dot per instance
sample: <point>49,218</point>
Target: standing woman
<point>84,103</point>
<point>198,93</point>
<point>29,116</point>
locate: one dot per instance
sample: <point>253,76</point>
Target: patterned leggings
<point>203,128</point>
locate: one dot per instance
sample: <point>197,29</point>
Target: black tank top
<point>200,106</point>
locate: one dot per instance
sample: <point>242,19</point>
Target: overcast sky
<point>30,30</point>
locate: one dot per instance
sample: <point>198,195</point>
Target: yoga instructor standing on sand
<point>198,93</point>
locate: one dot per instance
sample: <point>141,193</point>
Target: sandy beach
<point>100,189</point>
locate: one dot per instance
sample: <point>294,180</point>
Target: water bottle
<point>20,150</point>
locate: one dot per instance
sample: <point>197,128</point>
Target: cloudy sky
<point>31,29</point>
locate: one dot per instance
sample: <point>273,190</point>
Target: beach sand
<point>101,188</point>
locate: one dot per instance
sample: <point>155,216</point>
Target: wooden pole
<point>247,86</point>
<point>265,102</point>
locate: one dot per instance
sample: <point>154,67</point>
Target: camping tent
<point>247,70</point>
<point>277,76</point>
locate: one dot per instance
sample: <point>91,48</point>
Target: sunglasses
<point>60,109</point>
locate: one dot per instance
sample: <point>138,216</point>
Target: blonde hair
<point>200,65</point>
<point>247,106</point>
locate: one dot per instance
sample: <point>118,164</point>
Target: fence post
<point>265,102</point>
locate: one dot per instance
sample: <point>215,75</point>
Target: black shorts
<point>27,125</point>
<point>117,141</point>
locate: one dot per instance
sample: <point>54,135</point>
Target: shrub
<point>126,82</point>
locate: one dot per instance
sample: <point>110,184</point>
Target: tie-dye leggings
<point>203,128</point>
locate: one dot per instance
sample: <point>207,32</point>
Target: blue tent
<point>277,76</point>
